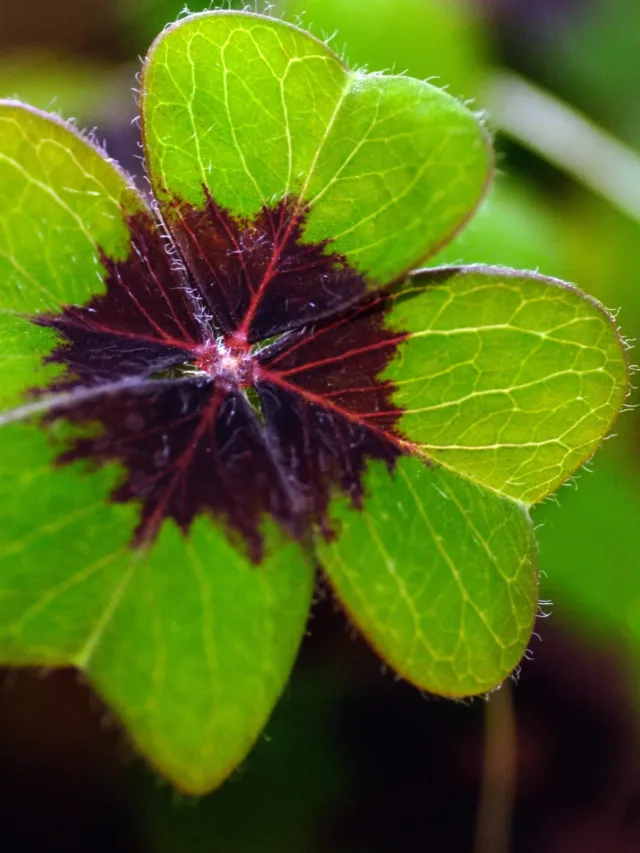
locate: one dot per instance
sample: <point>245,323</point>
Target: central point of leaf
<point>229,364</point>
<point>275,410</point>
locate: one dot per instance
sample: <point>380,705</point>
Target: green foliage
<point>440,575</point>
<point>71,86</point>
<point>424,38</point>
<point>594,576</point>
<point>262,110</point>
<point>60,194</point>
<point>508,378</point>
<point>596,68</point>
<point>188,643</point>
<point>507,383</point>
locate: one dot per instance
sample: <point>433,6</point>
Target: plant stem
<point>493,822</point>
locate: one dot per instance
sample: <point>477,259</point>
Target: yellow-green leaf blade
<point>386,167</point>
<point>200,648</point>
<point>509,378</point>
<point>188,642</point>
<point>439,574</point>
<point>60,193</point>
<point>62,200</point>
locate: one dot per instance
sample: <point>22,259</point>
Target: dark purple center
<point>232,369</point>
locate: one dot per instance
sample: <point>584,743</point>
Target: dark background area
<point>353,760</point>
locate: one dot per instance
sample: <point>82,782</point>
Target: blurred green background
<point>352,760</point>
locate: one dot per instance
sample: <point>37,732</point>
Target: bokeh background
<point>354,761</point>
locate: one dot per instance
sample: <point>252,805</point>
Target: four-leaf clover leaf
<point>211,396</point>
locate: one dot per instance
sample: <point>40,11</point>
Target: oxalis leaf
<point>206,401</point>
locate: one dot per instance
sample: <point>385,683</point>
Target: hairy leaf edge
<point>382,655</point>
<point>218,13</point>
<point>450,271</point>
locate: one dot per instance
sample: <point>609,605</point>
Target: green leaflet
<point>439,574</point>
<point>189,643</point>
<point>256,110</point>
<point>60,199</point>
<point>509,378</point>
<point>58,191</point>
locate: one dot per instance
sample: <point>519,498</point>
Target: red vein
<point>380,414</point>
<point>163,335</point>
<point>92,326</point>
<point>150,527</point>
<point>320,400</point>
<point>332,359</point>
<point>364,390</point>
<point>343,320</point>
<point>242,332</point>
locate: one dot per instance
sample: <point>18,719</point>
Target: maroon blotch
<point>191,337</point>
<point>257,276</point>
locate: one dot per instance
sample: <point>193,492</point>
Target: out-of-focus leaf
<point>426,38</point>
<point>69,86</point>
<point>515,227</point>
<point>589,547</point>
<point>593,62</point>
<point>603,247</point>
